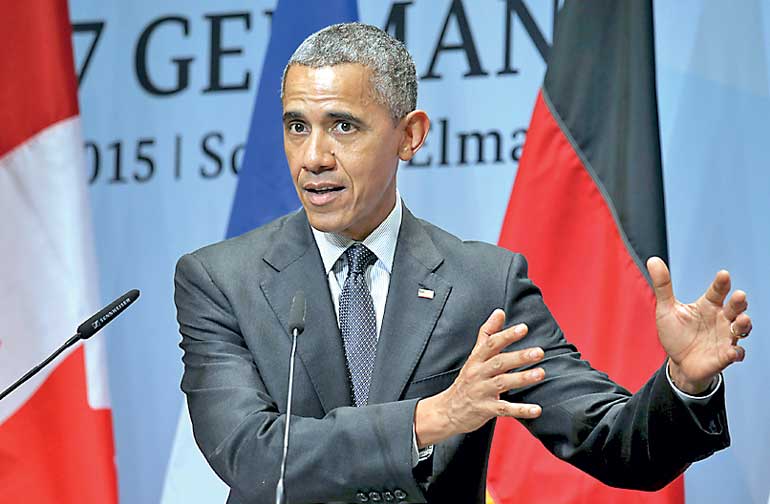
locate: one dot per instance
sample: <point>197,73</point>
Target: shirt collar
<point>381,241</point>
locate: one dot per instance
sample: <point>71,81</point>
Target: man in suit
<point>414,341</point>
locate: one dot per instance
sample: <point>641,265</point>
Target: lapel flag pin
<point>425,293</point>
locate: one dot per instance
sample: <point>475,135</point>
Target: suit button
<point>400,494</point>
<point>387,496</point>
<point>375,497</point>
<point>362,497</point>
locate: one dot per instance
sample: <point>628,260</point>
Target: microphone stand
<point>32,372</point>
<point>280,496</point>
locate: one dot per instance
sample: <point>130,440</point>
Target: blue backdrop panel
<point>165,103</point>
<point>715,114</point>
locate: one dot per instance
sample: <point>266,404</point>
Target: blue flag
<point>265,190</point>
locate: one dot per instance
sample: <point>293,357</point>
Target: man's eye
<point>297,128</point>
<point>344,127</point>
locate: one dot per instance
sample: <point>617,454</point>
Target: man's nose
<point>319,154</point>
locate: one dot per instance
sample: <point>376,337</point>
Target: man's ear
<point>416,126</point>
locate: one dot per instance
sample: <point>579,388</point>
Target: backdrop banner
<point>167,90</point>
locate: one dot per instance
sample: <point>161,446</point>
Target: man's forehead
<point>349,80</point>
<point>330,69</point>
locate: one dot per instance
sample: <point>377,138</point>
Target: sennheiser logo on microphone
<point>107,316</point>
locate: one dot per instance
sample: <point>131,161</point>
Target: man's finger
<point>717,291</point>
<point>738,353</point>
<point>508,381</point>
<point>736,305</point>
<point>516,410</point>
<point>493,324</point>
<point>495,343</point>
<point>661,282</point>
<point>506,361</point>
<point>741,327</point>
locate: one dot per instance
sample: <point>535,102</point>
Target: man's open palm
<point>700,338</point>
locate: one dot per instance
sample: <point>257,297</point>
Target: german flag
<point>587,210</point>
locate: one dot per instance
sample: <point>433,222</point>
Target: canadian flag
<point>56,442</point>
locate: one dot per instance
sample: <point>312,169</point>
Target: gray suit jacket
<point>233,301</point>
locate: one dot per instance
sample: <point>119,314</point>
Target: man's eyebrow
<point>346,116</point>
<point>292,116</point>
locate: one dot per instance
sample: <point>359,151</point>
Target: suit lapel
<point>409,319</point>
<point>298,264</point>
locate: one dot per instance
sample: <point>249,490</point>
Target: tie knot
<point>359,258</point>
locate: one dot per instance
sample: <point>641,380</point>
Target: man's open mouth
<point>324,190</point>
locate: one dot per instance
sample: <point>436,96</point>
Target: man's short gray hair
<point>393,74</point>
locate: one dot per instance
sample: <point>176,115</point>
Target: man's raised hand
<point>474,397</point>
<point>700,338</point>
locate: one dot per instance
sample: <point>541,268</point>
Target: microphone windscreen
<point>297,313</point>
<point>106,314</point>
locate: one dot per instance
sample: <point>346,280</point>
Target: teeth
<point>324,190</point>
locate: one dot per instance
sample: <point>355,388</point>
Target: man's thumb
<point>661,282</point>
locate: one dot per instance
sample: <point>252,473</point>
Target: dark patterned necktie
<point>358,323</point>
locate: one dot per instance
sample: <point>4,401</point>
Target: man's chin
<point>324,223</point>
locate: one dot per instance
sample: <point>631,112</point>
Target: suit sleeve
<point>640,441</point>
<point>240,432</point>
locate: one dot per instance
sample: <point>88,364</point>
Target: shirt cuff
<point>418,455</point>
<point>700,399</point>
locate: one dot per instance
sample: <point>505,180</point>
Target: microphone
<point>296,326</point>
<point>107,314</point>
<point>84,331</point>
<point>297,313</point>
